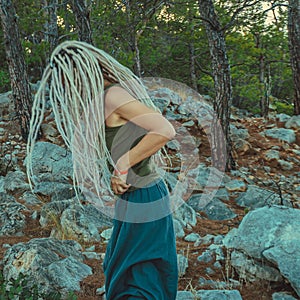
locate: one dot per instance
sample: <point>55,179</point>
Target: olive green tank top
<point>121,139</point>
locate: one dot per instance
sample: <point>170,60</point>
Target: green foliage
<point>21,289</point>
<point>284,108</point>
<point>4,81</point>
<point>165,36</point>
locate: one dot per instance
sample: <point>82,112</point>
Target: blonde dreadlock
<point>76,74</point>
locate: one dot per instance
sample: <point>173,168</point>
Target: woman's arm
<point>160,130</point>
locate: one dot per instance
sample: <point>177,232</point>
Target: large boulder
<point>270,237</point>
<point>50,264</point>
<point>51,162</point>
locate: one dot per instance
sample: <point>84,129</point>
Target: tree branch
<point>237,12</point>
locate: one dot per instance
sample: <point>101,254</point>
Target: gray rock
<point>74,224</point>
<point>50,132</point>
<point>91,255</point>
<point>208,180</point>
<point>207,239</point>
<point>53,210</point>
<point>285,165</point>
<point>189,123</point>
<point>222,194</point>
<point>209,271</point>
<point>282,296</point>
<point>170,115</point>
<point>183,264</point>
<point>51,162</point>
<point>218,285</point>
<point>12,219</point>
<point>173,145</point>
<point>15,181</point>
<point>192,237</point>
<point>198,201</point>
<point>185,214</point>
<point>82,224</point>
<point>56,190</point>
<point>270,236</point>
<point>2,189</point>
<point>241,146</point>
<point>205,257</point>
<point>219,295</point>
<point>236,185</point>
<point>178,229</point>
<point>106,234</point>
<point>52,265</point>
<point>272,154</point>
<point>262,228</point>
<point>162,97</point>
<point>30,198</point>
<point>67,273</point>
<point>293,122</point>
<point>286,135</point>
<point>238,133</point>
<point>217,251</point>
<point>185,295</point>
<point>283,117</point>
<point>256,197</point>
<point>217,210</point>
<point>252,270</point>
<point>285,254</point>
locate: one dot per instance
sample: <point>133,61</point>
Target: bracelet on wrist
<point>120,172</point>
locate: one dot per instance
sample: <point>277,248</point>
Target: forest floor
<point>261,290</point>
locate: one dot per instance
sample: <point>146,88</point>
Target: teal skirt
<point>141,260</point>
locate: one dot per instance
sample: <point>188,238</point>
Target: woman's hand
<point>118,183</point>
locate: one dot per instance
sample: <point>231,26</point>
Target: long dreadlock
<point>76,74</point>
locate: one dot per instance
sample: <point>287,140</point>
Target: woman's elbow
<point>171,133</point>
<point>168,132</point>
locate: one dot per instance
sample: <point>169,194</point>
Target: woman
<point>108,121</point>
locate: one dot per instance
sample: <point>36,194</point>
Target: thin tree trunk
<point>193,66</point>
<point>264,103</point>
<point>52,24</point>
<point>221,151</point>
<point>294,46</point>
<point>16,64</point>
<point>134,38</point>
<point>82,14</point>
<point>137,58</point>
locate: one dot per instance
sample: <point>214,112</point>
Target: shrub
<point>284,108</point>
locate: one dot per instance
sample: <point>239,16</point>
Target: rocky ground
<point>251,155</point>
<point>255,159</point>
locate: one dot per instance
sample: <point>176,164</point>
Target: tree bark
<point>264,97</point>
<point>82,15</point>
<point>16,63</point>
<point>193,66</point>
<point>221,150</point>
<point>52,28</point>
<point>294,46</point>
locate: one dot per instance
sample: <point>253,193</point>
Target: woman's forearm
<point>149,145</point>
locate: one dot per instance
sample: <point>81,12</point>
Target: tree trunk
<point>137,58</point>
<point>193,66</point>
<point>52,28</point>
<point>82,15</point>
<point>134,39</point>
<point>294,46</point>
<point>221,142</point>
<point>16,64</point>
<point>264,99</point>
